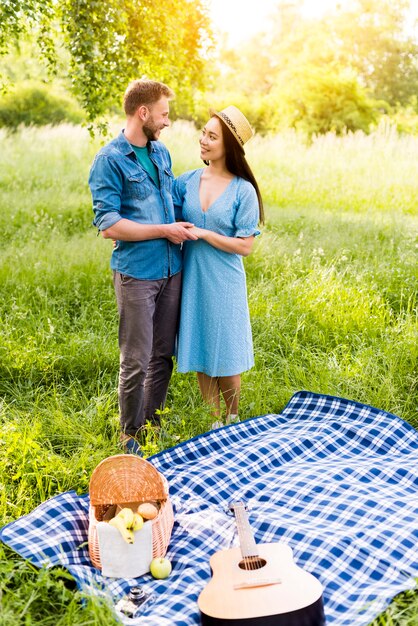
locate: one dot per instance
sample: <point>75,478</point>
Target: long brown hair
<point>237,164</point>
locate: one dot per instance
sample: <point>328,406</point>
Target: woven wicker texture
<point>126,478</point>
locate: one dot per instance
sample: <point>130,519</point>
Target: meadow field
<point>332,286</point>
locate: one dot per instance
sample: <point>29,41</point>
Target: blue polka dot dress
<point>215,332</point>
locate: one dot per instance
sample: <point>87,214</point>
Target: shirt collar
<point>125,147</point>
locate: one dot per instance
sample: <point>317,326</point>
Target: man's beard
<point>150,131</point>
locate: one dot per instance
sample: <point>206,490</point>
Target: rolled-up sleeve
<point>247,213</point>
<point>105,182</point>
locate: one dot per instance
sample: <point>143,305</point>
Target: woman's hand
<point>234,245</point>
<point>200,233</point>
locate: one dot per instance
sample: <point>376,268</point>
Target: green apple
<point>160,567</point>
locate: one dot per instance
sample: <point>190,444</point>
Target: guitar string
<point>250,563</point>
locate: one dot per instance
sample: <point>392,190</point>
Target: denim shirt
<point>121,188</point>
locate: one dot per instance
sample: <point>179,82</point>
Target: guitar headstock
<point>237,506</point>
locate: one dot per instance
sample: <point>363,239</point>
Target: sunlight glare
<point>241,20</point>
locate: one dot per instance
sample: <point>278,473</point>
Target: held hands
<point>181,231</point>
<point>128,230</point>
<point>199,233</point>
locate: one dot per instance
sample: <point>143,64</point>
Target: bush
<point>405,119</point>
<point>322,100</point>
<point>37,104</point>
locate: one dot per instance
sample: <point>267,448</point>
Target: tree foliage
<point>371,37</point>
<point>18,17</point>
<point>338,72</point>
<point>321,100</point>
<point>111,42</point>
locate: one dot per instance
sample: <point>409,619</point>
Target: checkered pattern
<point>335,479</point>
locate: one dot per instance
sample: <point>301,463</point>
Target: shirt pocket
<point>139,186</point>
<point>168,179</point>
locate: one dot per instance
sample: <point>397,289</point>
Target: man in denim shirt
<point>130,181</point>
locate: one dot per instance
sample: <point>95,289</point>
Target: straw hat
<point>236,122</point>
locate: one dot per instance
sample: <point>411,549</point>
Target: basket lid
<point>126,478</point>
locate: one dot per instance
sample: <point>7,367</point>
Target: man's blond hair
<point>144,92</point>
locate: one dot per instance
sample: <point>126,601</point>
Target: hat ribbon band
<point>231,125</point>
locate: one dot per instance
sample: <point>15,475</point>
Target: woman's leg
<point>209,388</point>
<point>230,387</point>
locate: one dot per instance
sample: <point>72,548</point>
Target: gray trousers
<point>148,320</point>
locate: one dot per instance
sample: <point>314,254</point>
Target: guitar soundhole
<point>252,562</point>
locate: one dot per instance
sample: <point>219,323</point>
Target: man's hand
<point>179,232</point>
<point>128,230</point>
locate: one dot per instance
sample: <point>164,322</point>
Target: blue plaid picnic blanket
<point>335,479</point>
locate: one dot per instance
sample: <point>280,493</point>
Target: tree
<point>371,37</point>
<point>113,41</point>
<point>338,72</point>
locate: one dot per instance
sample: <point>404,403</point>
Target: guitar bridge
<point>259,582</point>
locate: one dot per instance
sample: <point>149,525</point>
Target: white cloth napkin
<point>120,559</point>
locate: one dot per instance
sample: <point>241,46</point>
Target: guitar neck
<point>247,542</point>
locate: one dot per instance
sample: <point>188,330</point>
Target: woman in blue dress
<point>223,202</point>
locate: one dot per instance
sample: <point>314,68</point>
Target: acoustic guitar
<point>259,585</point>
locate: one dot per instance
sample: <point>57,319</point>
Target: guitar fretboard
<point>246,537</point>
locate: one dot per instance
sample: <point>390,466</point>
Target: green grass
<point>333,299</point>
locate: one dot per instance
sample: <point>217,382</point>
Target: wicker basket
<point>129,478</point>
